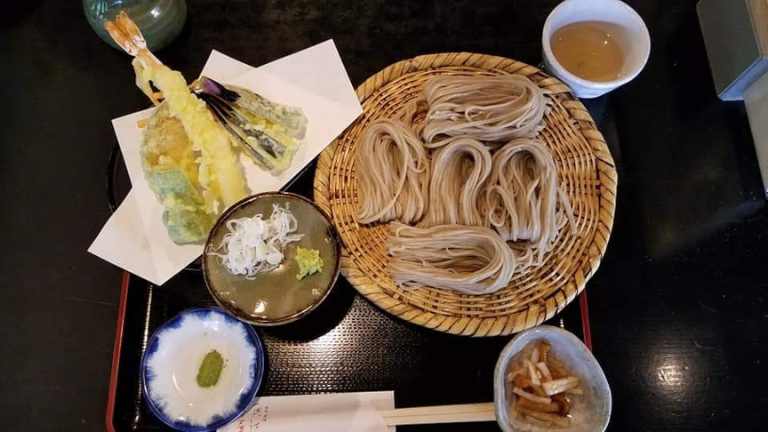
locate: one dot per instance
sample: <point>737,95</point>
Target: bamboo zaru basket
<point>585,168</point>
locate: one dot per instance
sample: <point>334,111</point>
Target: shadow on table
<point>320,321</point>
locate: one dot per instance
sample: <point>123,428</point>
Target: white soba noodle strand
<point>460,170</point>
<point>522,196</point>
<point>393,174</point>
<point>467,259</point>
<point>411,113</point>
<point>488,108</point>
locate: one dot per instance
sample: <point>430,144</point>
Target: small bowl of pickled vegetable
<point>271,258</point>
<point>547,379</point>
<point>202,370</point>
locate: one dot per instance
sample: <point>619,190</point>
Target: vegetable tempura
<point>188,157</point>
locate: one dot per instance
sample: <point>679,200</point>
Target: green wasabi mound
<point>210,369</point>
<point>309,262</point>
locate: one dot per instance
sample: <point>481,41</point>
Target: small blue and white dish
<point>174,356</point>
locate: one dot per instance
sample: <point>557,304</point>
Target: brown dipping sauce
<point>591,50</point>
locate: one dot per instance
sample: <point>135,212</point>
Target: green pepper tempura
<point>309,262</point>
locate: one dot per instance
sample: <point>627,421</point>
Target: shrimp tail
<point>127,36</point>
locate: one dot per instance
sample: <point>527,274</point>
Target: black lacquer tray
<point>346,345</point>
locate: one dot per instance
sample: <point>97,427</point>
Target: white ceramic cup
<point>636,42</point>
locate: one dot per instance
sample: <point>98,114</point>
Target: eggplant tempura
<point>268,132</point>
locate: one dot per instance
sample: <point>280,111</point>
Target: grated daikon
<point>255,245</point>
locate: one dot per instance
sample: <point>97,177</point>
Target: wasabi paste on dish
<point>210,369</point>
<point>309,262</point>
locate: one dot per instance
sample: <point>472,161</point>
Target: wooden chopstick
<point>463,413</point>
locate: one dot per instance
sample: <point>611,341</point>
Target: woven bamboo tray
<point>586,168</point>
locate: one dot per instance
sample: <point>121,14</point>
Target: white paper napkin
<point>339,412</point>
<point>314,79</point>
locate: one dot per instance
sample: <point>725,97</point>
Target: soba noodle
<point>521,199</point>
<point>483,209</point>
<point>468,259</point>
<point>393,174</point>
<point>492,108</point>
<point>462,167</point>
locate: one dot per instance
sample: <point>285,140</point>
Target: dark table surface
<point>679,309</point>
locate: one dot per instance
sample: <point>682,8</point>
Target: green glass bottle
<point>160,21</point>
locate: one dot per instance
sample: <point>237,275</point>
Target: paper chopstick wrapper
<point>339,412</point>
<point>314,79</point>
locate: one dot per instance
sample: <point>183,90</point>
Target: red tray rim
<point>116,352</point>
